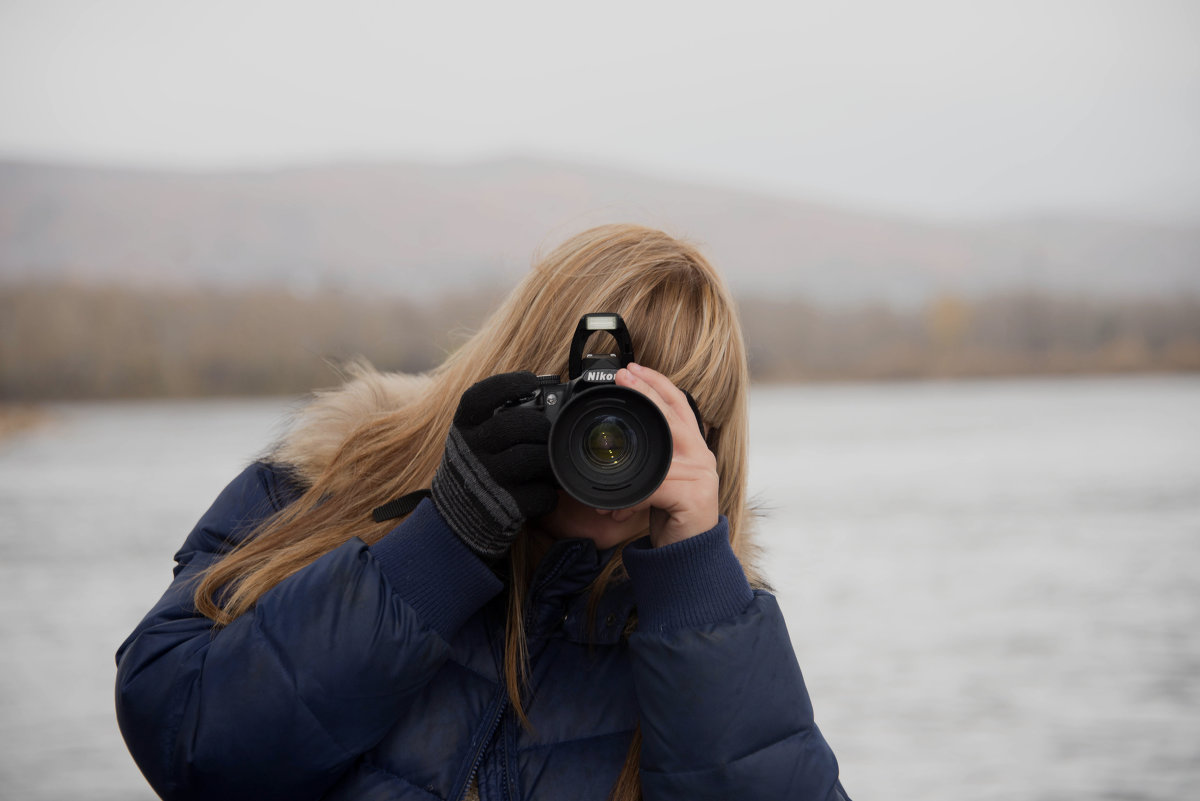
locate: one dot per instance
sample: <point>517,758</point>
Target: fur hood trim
<point>322,424</point>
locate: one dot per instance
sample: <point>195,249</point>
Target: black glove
<point>495,472</point>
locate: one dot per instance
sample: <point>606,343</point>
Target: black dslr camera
<point>610,446</point>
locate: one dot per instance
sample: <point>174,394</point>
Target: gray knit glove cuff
<point>479,510</point>
<point>495,471</point>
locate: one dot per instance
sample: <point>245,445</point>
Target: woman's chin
<point>571,518</point>
<point>608,533</point>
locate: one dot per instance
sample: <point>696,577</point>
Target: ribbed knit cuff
<point>432,571</point>
<point>686,584</point>
<point>482,513</point>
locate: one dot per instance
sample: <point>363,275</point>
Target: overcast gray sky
<point>948,109</point>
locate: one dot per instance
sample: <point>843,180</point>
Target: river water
<point>993,587</point>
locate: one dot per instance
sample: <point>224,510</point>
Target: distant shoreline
<point>93,342</point>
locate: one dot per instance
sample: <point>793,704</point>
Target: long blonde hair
<point>684,324</point>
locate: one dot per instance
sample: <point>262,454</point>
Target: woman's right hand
<point>495,472</point>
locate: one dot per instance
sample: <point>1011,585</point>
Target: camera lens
<point>610,447</point>
<point>609,442</point>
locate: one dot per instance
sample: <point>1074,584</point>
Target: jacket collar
<point>560,595</point>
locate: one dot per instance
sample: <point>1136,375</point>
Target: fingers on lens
<point>672,397</point>
<point>656,397</point>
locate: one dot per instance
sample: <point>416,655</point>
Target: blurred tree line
<point>1014,333</point>
<point>68,341</point>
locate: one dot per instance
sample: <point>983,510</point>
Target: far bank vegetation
<point>69,341</point>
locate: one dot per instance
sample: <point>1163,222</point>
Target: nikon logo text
<point>599,375</point>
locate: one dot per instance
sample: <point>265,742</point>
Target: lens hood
<point>610,447</point>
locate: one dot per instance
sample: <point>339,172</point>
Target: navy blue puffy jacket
<point>374,673</point>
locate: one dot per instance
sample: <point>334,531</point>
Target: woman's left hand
<point>686,503</point>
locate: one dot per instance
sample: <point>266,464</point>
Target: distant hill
<point>422,229</point>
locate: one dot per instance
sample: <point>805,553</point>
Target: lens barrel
<point>610,447</point>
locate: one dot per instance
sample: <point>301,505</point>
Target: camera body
<point>610,447</point>
<point>553,396</point>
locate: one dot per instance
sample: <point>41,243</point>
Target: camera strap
<point>399,507</point>
<point>696,411</point>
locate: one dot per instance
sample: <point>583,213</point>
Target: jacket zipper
<point>483,744</point>
<point>547,578</point>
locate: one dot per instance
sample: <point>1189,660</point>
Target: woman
<point>503,641</point>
